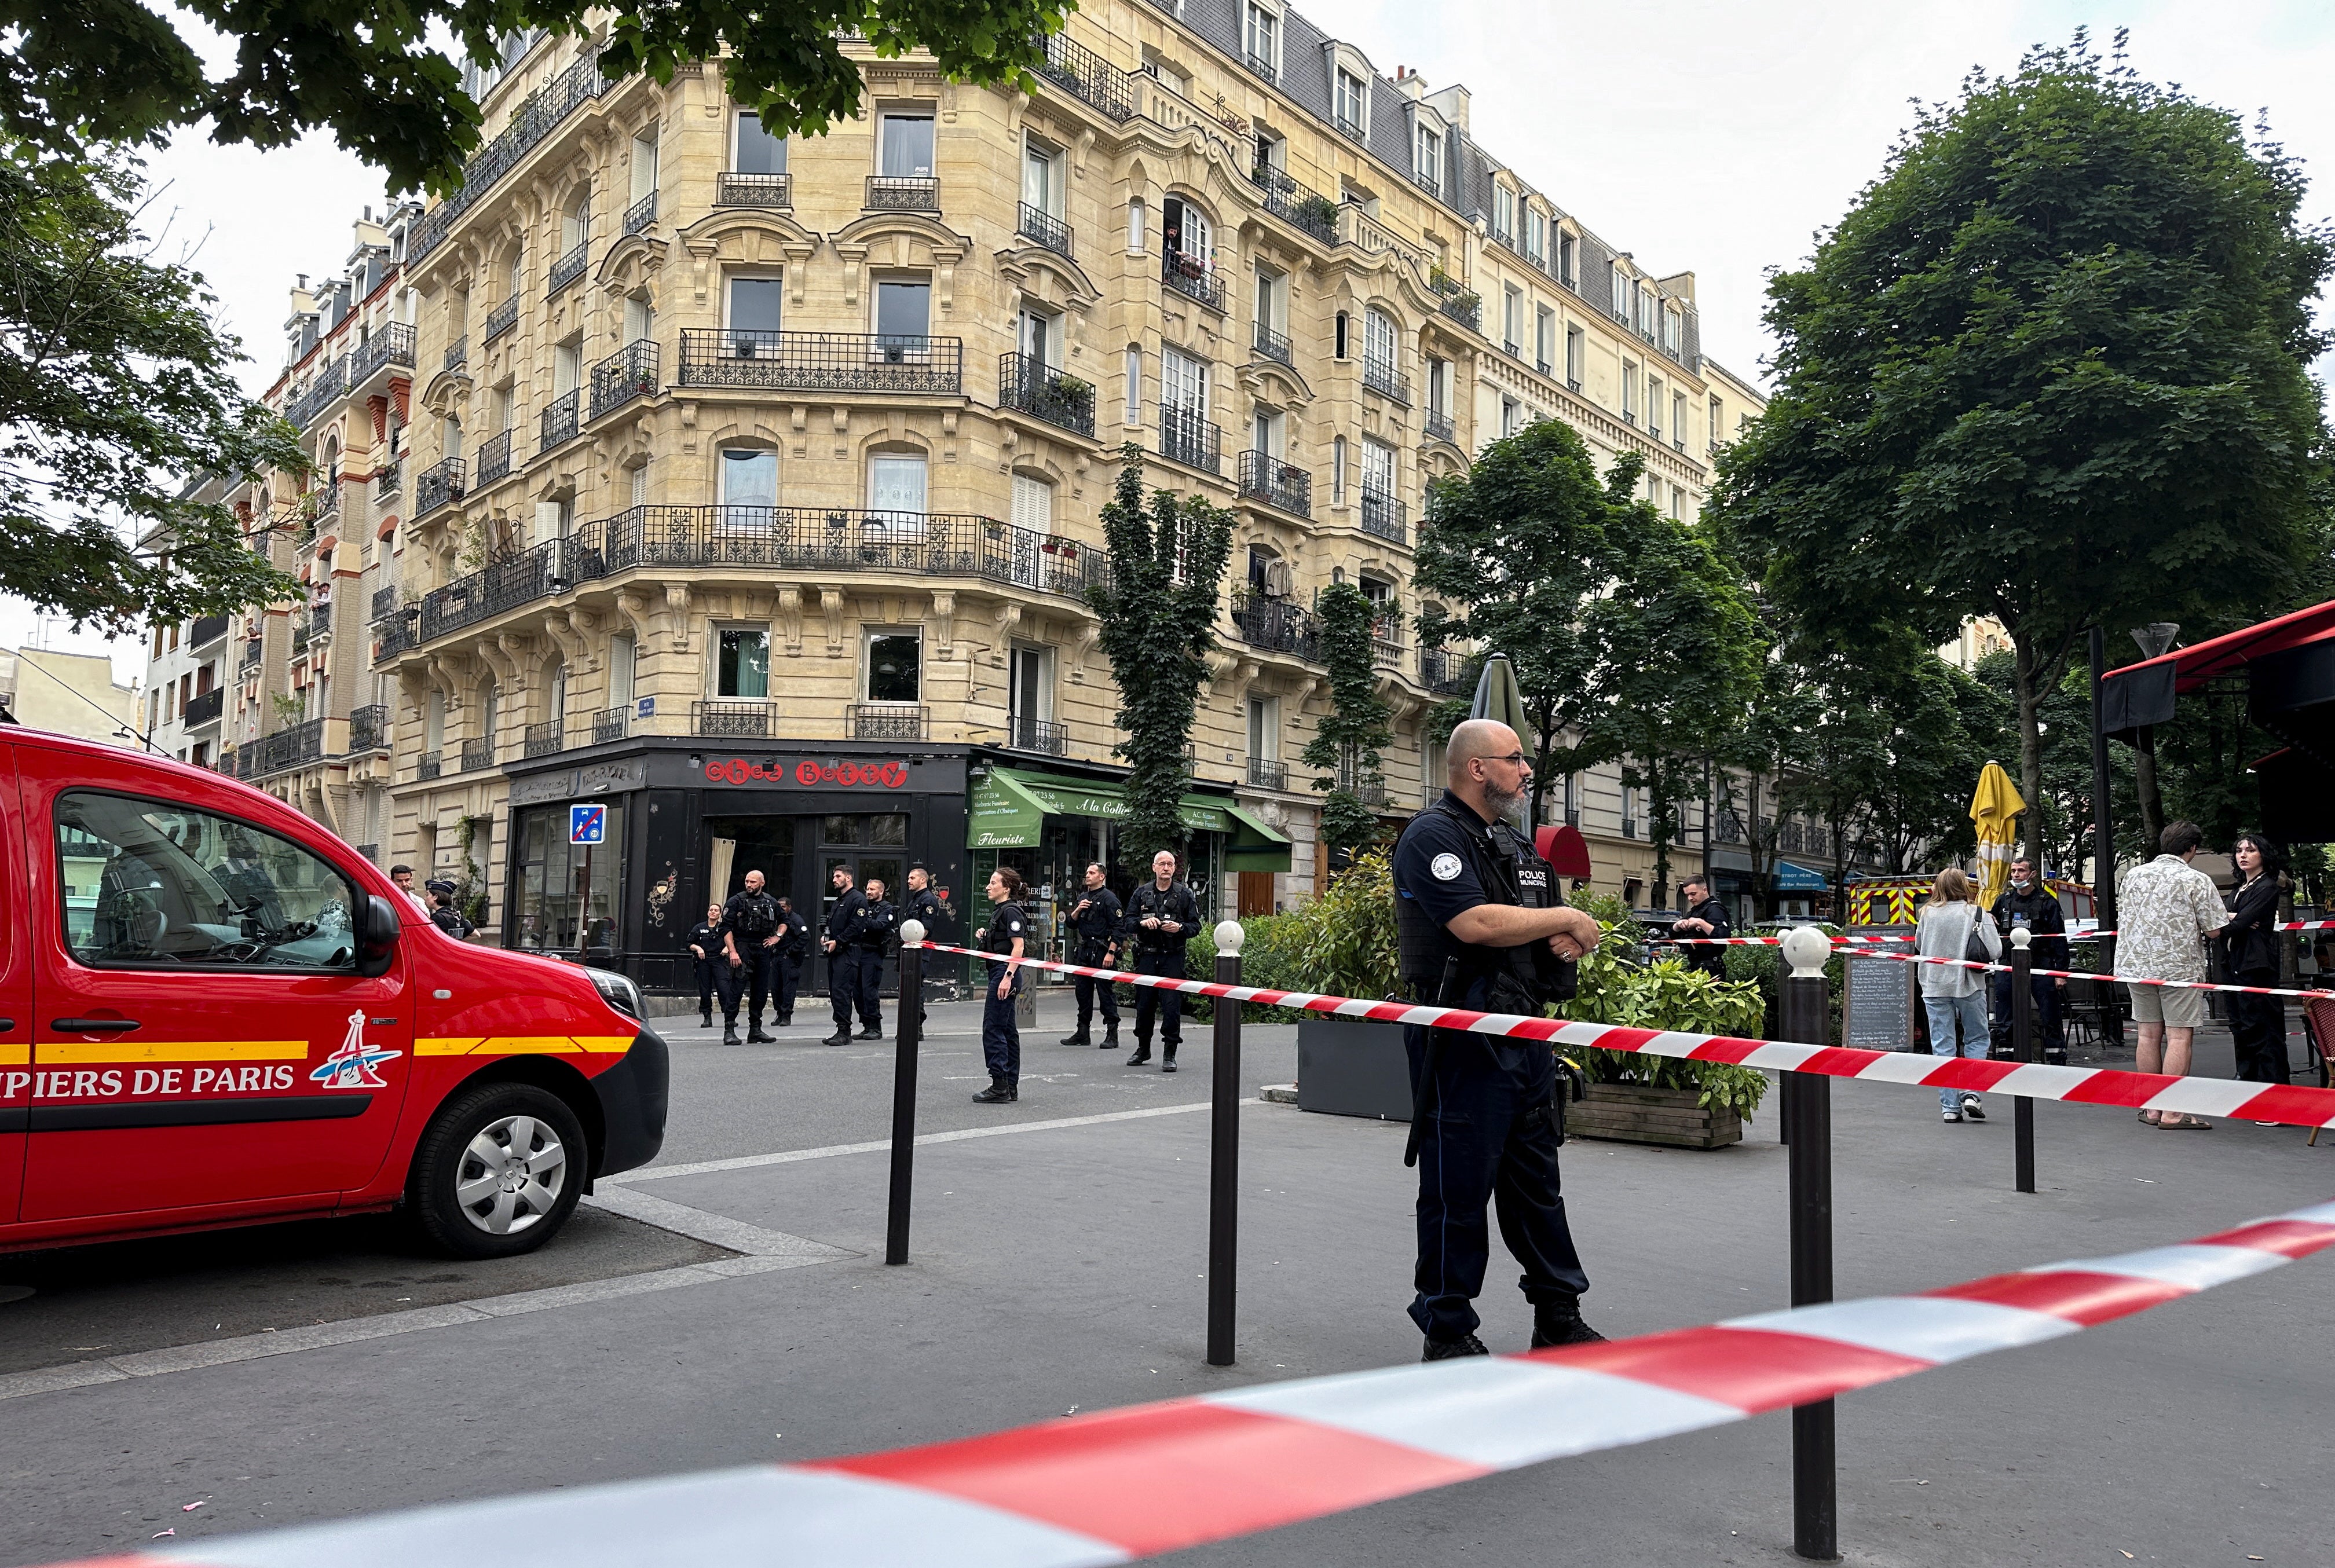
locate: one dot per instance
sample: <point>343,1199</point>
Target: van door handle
<point>7,1026</point>
<point>93,1025</point>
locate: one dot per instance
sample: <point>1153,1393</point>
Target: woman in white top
<point>1953,996</point>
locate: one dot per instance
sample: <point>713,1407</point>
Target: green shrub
<point>1614,988</point>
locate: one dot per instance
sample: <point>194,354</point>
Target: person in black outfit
<point>1094,922</point>
<point>2028,902</point>
<point>2250,957</point>
<point>1001,1032</point>
<point>923,904</point>
<point>879,927</point>
<point>749,939</point>
<point>1161,917</point>
<point>1480,926</point>
<point>1704,916</point>
<point>840,944</point>
<point>443,913</point>
<point>705,955</point>
<point>786,960</point>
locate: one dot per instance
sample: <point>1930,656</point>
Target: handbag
<point>1973,944</point>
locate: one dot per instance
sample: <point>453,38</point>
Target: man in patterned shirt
<point>2164,911</point>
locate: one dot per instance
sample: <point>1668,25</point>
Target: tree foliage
<point>1158,614</point>
<point>1347,742</point>
<point>115,390</point>
<point>2050,368</point>
<point>377,77</point>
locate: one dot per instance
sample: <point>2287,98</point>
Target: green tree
<point>378,77</point>
<point>115,390</point>
<point>1347,742</point>
<point>2050,368</point>
<point>1159,617</point>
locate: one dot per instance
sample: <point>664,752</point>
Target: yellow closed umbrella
<point>1994,809</point>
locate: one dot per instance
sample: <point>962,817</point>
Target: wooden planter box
<point>1636,1113</point>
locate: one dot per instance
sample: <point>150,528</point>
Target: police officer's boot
<point>1558,1322</point>
<point>729,1031</point>
<point>1110,1034</point>
<point>1079,1036</point>
<point>754,1035</point>
<point>999,1092</point>
<point>1168,1057</point>
<point>1451,1350</point>
<point>707,1020</point>
<point>1142,1052</point>
<point>873,1031</point>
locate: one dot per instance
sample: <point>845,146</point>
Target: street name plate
<point>1877,994</point>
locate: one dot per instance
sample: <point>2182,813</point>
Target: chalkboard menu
<point>1877,994</point>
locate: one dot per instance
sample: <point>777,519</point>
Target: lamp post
<point>2154,639</point>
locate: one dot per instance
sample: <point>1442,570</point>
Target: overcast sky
<point>1717,136</point>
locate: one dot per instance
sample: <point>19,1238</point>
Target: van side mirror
<point>377,942</point>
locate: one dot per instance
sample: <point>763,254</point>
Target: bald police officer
<point>1480,928</point>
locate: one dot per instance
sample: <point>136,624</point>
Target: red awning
<point>1566,850</point>
<point>2224,655</point>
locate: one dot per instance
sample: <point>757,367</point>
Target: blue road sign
<point>588,825</point>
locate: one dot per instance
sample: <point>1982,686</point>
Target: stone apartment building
<point>748,487</point>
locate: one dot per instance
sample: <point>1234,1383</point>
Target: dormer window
<point>1353,104</point>
<point>1427,159</point>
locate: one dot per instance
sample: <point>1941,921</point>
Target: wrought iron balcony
<point>1265,478</point>
<point>1439,428</point>
<point>1188,274</point>
<point>388,480</point>
<point>1464,308</point>
<point>559,420</point>
<point>320,621</point>
<point>820,361</point>
<point>1512,349</point>
<point>499,586</point>
<point>301,744</point>
<point>384,602</point>
<point>568,267</point>
<point>1036,388</point>
<point>1353,129</point>
<point>331,384</point>
<point>254,655</point>
<point>1187,437</point>
<point>612,723</point>
<point>446,482</point>
<point>629,373</point>
<point>889,721</point>
<point>1443,672</point>
<point>542,740</point>
<point>740,720</point>
<point>1381,377</point>
<point>458,355</point>
<point>391,345</point>
<point>477,753</point>
<point>1261,66</point>
<point>1087,77</point>
<point>1275,626</point>
<point>207,630</point>
<point>1265,775</point>
<point>1043,228</point>
<point>1273,345</point>
<point>430,765</point>
<point>903,193</point>
<point>204,708</point>
<point>395,631</point>
<point>502,318</point>
<point>641,214</point>
<point>1383,515</point>
<point>328,499</point>
<point>754,190</point>
<point>1294,202</point>
<point>1426,182</point>
<point>494,456</point>
<point>1024,733</point>
<point>369,728</point>
<point>530,124</point>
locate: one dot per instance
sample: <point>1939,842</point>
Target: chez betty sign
<point>809,773</point>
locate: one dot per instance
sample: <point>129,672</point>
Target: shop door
<point>869,847</point>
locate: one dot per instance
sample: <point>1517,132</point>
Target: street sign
<point>588,825</point>
<point>645,708</point>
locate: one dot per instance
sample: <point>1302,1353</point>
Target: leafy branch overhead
<point>376,75</point>
<point>1347,742</point>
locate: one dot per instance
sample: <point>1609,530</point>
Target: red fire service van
<point>214,1012</point>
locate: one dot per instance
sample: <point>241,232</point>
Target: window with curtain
<point>741,661</point>
<point>906,150</point>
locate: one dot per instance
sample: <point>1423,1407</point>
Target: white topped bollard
<point>1230,934</point>
<point>1805,949</point>
<point>911,933</point>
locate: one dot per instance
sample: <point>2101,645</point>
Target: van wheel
<point>497,1172</point>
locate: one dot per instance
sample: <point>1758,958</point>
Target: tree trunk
<point>2144,779</point>
<point>2030,753</point>
<point>1658,827</point>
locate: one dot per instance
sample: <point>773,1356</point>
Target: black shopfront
<point>687,818</point>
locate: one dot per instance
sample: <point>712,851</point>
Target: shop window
<point>838,831</point>
<point>742,663</point>
<point>889,830</point>
<point>894,666</point>
<point>556,911</point>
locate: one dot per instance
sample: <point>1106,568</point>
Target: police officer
<point>749,939</point>
<point>2032,903</point>
<point>1704,916</point>
<point>786,960</point>
<point>878,929</point>
<point>1094,922</point>
<point>923,904</point>
<point>1480,928</point>
<point>705,955</point>
<point>1161,917</point>
<point>443,913</point>
<point>842,956</point>
<point>1001,1032</point>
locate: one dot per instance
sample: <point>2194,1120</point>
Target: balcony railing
<point>754,190</point>
<point>1188,274</point>
<point>494,456</point>
<point>1381,376</point>
<point>254,655</point>
<point>1464,308</point>
<point>542,740</point>
<point>328,498</point>
<point>204,708</point>
<point>1265,478</point>
<point>369,728</point>
<point>888,722</point>
<point>1439,428</point>
<point>1023,733</point>
<point>903,193</point>
<point>1037,389</point>
<point>612,723</point>
<point>530,123</point>
<point>388,480</point>
<point>320,621</point>
<point>1386,641</point>
<point>207,630</point>
<point>458,355</point>
<point>568,267</point>
<point>430,765</point>
<point>1275,626</point>
<point>331,383</point>
<point>477,753</point>
<point>1044,229</point>
<point>384,602</point>
<point>559,420</point>
<point>1443,672</point>
<point>1273,345</point>
<point>1351,129</point>
<point>743,720</point>
<point>1265,775</point>
<point>1187,437</point>
<point>395,631</point>
<point>501,319</point>
<point>1383,515</point>
<point>820,361</point>
<point>629,373</point>
<point>1426,182</point>
<point>1262,67</point>
<point>303,743</point>
<point>641,214</point>
<point>390,344</point>
<point>500,586</point>
<point>1294,202</point>
<point>1087,77</point>
<point>447,481</point>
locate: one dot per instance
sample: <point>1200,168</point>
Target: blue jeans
<point>1943,1012</point>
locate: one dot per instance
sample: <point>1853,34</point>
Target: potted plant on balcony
<point>1317,212</point>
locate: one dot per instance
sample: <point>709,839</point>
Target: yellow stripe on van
<point>80,1052</point>
<point>524,1045</point>
<point>459,1045</point>
<point>17,1055</point>
<point>605,1044</point>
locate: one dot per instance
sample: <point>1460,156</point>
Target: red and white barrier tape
<point>1122,1485</point>
<point>2115,978</point>
<point>2295,1105</point>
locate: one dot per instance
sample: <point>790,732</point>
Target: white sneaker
<point>1944,1115</point>
<point>1973,1109</point>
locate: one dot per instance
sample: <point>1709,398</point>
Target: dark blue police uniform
<point>843,962</point>
<point>748,920</point>
<point>706,937</point>
<point>794,946</point>
<point>924,905</point>
<point>1094,925</point>
<point>1486,1126</point>
<point>877,920</point>
<point>1001,1034</point>
<point>1158,951</point>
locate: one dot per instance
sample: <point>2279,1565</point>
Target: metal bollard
<point>1807,1017</point>
<point>1224,1151</point>
<point>909,1035</point>
<point>2023,1048</point>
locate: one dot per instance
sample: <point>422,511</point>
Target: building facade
<point>748,488</point>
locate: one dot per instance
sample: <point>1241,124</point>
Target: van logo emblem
<point>352,1066</point>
